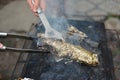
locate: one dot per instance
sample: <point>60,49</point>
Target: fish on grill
<point>74,36</point>
<point>65,49</point>
<point>73,30</point>
<point>77,53</point>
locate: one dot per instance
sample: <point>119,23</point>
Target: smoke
<point>62,68</point>
<point>55,16</point>
<point>59,23</point>
<point>55,8</point>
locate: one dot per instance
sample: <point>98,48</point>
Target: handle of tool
<point>43,18</point>
<point>39,9</point>
<point>22,50</point>
<point>25,50</point>
<point>4,48</point>
<point>2,34</point>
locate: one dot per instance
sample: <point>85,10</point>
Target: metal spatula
<point>49,31</point>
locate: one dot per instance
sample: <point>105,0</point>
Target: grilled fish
<point>74,35</point>
<point>77,53</point>
<point>65,49</point>
<point>73,30</point>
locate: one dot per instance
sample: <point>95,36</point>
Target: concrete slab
<point>112,24</point>
<point>17,16</point>
<point>110,6</point>
<point>78,9</point>
<point>77,6</point>
<point>96,1</point>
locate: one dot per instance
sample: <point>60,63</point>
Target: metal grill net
<point>51,67</point>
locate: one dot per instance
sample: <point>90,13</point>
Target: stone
<point>97,14</point>
<point>112,23</point>
<point>110,7</point>
<point>77,7</point>
<point>96,1</point>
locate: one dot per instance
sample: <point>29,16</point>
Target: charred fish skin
<point>73,52</point>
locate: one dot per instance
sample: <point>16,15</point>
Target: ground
<point>9,59</point>
<point>15,16</point>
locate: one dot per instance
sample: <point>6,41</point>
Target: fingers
<point>36,4</point>
<point>35,7</point>
<point>1,45</point>
<point>43,5</point>
<point>40,3</point>
<point>35,13</point>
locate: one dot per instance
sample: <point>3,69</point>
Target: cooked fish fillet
<point>64,49</point>
<point>77,53</point>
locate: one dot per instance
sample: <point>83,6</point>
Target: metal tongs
<point>5,48</point>
<point>49,31</point>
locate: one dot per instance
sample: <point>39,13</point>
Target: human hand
<point>35,6</point>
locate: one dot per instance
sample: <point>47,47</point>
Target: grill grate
<point>44,67</point>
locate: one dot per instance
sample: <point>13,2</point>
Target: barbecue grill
<point>41,66</point>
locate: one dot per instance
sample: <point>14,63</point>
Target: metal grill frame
<point>107,57</point>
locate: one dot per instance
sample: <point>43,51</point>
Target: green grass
<point>112,16</point>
